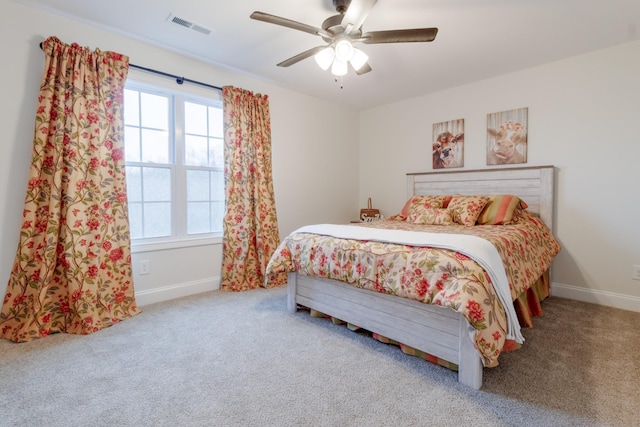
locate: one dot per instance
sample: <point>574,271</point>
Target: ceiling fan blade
<point>299,57</point>
<point>400,36</point>
<point>273,19</point>
<point>363,70</point>
<point>356,14</point>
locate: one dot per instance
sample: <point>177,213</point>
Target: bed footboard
<point>432,329</point>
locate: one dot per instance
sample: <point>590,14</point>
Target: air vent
<point>188,24</point>
<point>200,29</point>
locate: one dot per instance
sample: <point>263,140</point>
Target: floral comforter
<point>430,275</point>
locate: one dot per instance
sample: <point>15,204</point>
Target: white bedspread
<point>476,248</point>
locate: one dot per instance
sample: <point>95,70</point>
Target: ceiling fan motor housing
<point>341,5</point>
<point>333,24</point>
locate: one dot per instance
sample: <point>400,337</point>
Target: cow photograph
<point>448,144</point>
<point>507,137</point>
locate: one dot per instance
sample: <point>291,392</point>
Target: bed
<point>433,328</point>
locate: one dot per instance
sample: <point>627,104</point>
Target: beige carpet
<point>240,359</point>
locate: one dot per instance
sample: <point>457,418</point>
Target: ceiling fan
<point>341,32</point>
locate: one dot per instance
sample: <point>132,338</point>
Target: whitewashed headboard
<point>534,185</point>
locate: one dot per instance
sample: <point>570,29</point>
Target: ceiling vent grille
<point>188,24</point>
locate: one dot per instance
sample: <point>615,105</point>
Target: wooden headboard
<point>534,185</point>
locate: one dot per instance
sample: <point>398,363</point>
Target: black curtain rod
<point>180,80</point>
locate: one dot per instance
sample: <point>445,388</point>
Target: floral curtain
<point>72,270</point>
<point>250,224</point>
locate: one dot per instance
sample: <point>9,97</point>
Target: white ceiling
<point>477,39</point>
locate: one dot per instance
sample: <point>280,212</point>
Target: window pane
<point>155,146</point>
<point>205,201</point>
<point>135,220</point>
<point>131,107</point>
<point>156,184</point>
<point>217,214</point>
<point>217,186</point>
<point>217,201</point>
<point>195,150</point>
<point>197,186</point>
<point>195,118</point>
<point>134,184</point>
<point>216,153</point>
<point>157,219</point>
<point>216,122</point>
<point>131,144</point>
<point>198,217</point>
<point>155,111</point>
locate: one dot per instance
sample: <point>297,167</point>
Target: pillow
<point>431,216</point>
<point>501,209</point>
<point>465,210</point>
<point>428,202</point>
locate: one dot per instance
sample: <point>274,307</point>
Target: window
<point>174,164</point>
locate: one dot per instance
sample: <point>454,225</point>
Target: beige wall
<point>583,118</point>
<point>315,177</point>
<point>583,115</point>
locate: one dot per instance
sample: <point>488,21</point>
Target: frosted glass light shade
<point>358,59</point>
<point>344,50</point>
<point>324,58</point>
<point>339,68</point>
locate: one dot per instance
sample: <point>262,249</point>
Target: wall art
<point>448,144</point>
<point>507,137</point>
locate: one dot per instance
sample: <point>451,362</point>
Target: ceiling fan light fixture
<point>358,59</point>
<point>340,32</point>
<point>324,58</point>
<point>344,50</point>
<point>339,68</point>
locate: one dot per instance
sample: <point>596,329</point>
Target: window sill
<point>137,248</point>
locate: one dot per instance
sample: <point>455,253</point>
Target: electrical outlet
<point>635,275</point>
<point>144,267</point>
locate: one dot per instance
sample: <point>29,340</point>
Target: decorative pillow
<point>501,209</point>
<point>429,202</point>
<point>431,216</point>
<point>465,210</point>
<point>520,213</point>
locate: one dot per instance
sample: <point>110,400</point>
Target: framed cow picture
<point>507,137</point>
<point>448,144</point>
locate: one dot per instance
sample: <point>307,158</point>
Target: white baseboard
<point>609,299</point>
<point>178,290</point>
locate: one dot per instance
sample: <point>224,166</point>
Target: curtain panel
<point>72,270</point>
<point>250,226</point>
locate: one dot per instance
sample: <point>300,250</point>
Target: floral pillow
<point>465,210</point>
<point>431,216</point>
<point>427,202</point>
<point>501,209</point>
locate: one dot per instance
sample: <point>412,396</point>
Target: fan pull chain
<point>336,80</point>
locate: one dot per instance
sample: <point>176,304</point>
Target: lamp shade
<point>339,68</point>
<point>324,58</point>
<point>344,50</point>
<point>358,59</point>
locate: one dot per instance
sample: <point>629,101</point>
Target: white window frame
<point>179,237</point>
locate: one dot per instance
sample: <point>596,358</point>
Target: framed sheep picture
<point>507,137</point>
<point>448,144</point>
